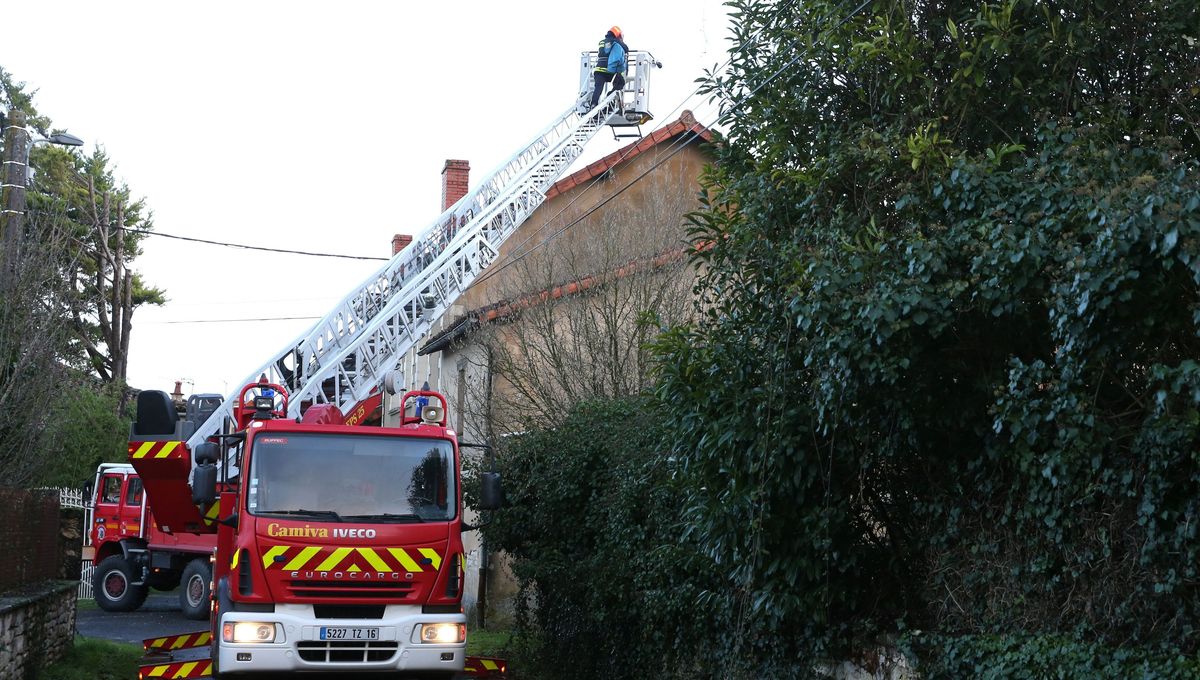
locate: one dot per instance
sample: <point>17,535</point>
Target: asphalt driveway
<point>160,615</point>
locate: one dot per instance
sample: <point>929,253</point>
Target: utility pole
<point>12,200</point>
<point>16,150</point>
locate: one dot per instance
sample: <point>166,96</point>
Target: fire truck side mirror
<point>207,453</point>
<point>491,495</point>
<point>204,484</point>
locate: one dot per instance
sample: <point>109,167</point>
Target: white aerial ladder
<point>346,356</point>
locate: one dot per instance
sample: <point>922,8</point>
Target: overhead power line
<point>273,318</point>
<point>246,247</point>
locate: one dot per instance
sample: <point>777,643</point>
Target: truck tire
<point>196,594</point>
<point>113,586</point>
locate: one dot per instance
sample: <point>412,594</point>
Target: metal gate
<point>86,569</point>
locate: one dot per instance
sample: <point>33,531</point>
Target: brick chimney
<point>400,242</point>
<point>454,181</point>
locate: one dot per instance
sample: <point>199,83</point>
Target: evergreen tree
<point>946,373</point>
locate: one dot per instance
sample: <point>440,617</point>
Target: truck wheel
<point>197,589</point>
<point>113,586</point>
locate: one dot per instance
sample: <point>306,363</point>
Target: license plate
<point>346,633</point>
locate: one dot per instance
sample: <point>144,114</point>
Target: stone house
<point>563,312</point>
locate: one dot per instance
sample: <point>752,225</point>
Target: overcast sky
<point>316,127</point>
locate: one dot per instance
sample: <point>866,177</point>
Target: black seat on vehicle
<point>155,413</point>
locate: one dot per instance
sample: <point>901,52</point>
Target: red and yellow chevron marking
<point>185,641</point>
<point>330,558</point>
<point>213,513</point>
<point>188,669</point>
<point>156,449</point>
<point>485,667</point>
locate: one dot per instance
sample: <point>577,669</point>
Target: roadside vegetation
<point>92,659</point>
<point>488,642</point>
<point>67,300</point>
<point>941,402</point>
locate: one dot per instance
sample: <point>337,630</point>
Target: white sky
<point>312,126</point>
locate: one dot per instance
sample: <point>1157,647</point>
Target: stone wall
<point>37,628</point>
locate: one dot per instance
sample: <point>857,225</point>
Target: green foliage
<point>482,642</point>
<point>84,430</point>
<point>591,527</point>
<point>993,657</point>
<point>80,197</point>
<point>95,660</point>
<point>946,370</point>
<point>100,212</point>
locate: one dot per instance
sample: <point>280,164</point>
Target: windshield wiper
<point>307,513</point>
<point>387,516</point>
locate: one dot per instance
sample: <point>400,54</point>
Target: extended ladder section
<point>344,358</point>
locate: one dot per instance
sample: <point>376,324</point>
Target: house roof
<point>686,123</point>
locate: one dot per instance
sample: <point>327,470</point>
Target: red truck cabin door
<point>131,506</point>
<point>107,516</point>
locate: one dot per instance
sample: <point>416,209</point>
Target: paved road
<point>160,615</point>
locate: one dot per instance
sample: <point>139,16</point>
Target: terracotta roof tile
<point>673,129</point>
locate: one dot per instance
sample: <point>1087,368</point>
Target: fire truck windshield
<point>338,477</point>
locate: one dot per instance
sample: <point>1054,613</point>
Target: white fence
<point>86,570</point>
<point>70,498</point>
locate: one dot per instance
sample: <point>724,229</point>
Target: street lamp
<point>62,139</point>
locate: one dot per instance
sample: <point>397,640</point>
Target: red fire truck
<point>338,547</point>
<point>131,554</point>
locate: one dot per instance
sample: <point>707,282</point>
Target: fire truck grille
<point>341,651</point>
<point>361,590</point>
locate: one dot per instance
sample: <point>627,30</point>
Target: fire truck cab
<point>338,547</point>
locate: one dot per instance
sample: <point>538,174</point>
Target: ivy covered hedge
<point>946,375</point>
<point>592,524</point>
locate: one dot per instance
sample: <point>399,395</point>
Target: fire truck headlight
<point>248,631</point>
<point>443,633</point>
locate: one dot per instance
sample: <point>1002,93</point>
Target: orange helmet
<point>616,31</point>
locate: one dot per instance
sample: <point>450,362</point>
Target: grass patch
<point>92,659</point>
<point>86,603</point>
<point>488,642</point>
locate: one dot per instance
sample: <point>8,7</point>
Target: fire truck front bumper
<point>292,639</point>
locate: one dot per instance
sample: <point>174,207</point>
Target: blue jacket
<point>611,56</point>
<point>616,57</point>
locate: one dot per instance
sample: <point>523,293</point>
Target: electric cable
<point>246,247</point>
<point>272,318</point>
